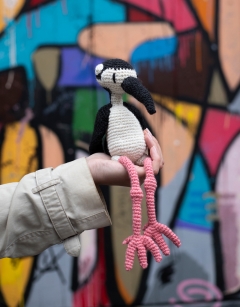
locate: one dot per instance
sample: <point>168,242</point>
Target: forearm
<point>48,207</point>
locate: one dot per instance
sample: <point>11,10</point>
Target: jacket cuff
<point>83,204</point>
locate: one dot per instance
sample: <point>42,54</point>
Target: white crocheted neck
<point>116,99</point>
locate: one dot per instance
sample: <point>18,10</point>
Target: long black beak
<point>134,87</point>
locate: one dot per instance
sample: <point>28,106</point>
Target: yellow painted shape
<point>175,139</point>
<point>119,40</point>
<point>9,10</point>
<point>187,112</point>
<point>52,151</point>
<point>121,213</point>
<point>14,276</point>
<point>205,10</point>
<point>229,42</point>
<point>18,155</point>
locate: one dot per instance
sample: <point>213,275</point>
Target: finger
<point>159,150</point>
<point>156,160</point>
<point>156,154</point>
<point>149,138</point>
<point>152,141</point>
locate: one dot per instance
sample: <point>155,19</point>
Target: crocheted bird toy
<point>118,131</point>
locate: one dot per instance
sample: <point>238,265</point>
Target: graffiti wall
<point>187,53</point>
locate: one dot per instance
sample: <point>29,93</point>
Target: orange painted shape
<point>14,276</point>
<point>229,42</point>
<point>121,39</point>
<point>186,112</point>
<point>205,10</point>
<point>52,151</point>
<point>176,139</point>
<point>9,10</point>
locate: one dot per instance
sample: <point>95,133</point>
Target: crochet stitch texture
<point>122,126</point>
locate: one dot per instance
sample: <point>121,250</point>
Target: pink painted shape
<point>188,288</point>
<point>227,187</point>
<point>218,130</point>
<point>179,14</point>
<point>184,47</point>
<point>176,12</point>
<point>94,293</point>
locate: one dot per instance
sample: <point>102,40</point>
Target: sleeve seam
<point>61,208</point>
<point>92,215</point>
<point>31,234</point>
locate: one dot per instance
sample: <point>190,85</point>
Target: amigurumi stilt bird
<point>122,126</point>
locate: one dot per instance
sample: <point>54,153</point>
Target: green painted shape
<point>86,104</point>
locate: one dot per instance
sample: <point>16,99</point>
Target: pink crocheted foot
<point>156,231</point>
<point>140,244</point>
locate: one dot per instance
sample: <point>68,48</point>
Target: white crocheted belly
<point>125,135</point>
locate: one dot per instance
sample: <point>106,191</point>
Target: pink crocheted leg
<point>135,193</point>
<point>137,242</point>
<point>150,186</point>
<point>154,229</point>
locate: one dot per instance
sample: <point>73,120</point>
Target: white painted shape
<point>10,4</point>
<point>88,255</point>
<point>50,289</point>
<point>169,194</point>
<point>234,107</point>
<point>12,47</point>
<point>228,187</point>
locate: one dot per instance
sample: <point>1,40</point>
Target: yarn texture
<point>118,131</point>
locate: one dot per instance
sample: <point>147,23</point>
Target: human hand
<point>155,151</point>
<point>108,172</point>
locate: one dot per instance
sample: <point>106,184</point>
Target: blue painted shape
<point>77,68</point>
<point>108,11</point>
<point>158,52</point>
<point>193,213</point>
<point>53,25</point>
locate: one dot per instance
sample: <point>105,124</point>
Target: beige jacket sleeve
<point>48,207</point>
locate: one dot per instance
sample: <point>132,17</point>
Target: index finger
<point>155,151</point>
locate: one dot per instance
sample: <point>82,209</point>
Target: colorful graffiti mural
<point>186,52</point>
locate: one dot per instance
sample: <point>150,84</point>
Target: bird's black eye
<point>113,77</point>
<point>99,76</point>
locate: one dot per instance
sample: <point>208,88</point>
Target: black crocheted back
<point>116,64</point>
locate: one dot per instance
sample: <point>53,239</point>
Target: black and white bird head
<point>119,77</point>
